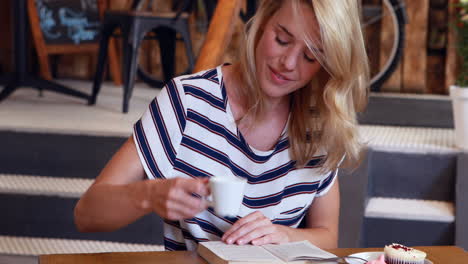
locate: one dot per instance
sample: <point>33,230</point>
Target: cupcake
<point>399,254</point>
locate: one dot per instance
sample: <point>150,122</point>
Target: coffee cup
<point>227,194</point>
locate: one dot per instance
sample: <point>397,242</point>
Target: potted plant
<point>459,91</point>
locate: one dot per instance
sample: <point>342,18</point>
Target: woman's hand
<point>257,229</point>
<point>380,260</point>
<point>174,198</point>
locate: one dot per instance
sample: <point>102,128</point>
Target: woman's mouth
<point>277,77</point>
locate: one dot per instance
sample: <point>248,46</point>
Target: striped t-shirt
<point>189,131</point>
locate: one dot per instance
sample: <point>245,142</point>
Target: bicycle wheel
<point>384,29</point>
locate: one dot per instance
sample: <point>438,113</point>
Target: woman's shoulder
<point>205,85</point>
<point>209,77</point>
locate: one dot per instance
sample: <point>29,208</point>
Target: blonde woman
<point>283,117</point>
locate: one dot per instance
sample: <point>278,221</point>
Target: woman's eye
<point>281,42</point>
<point>309,59</point>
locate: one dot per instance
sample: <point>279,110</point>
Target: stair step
<point>410,209</point>
<point>40,185</point>
<point>56,155</point>
<point>408,139</point>
<point>33,246</point>
<point>422,176</point>
<point>56,113</point>
<point>416,110</point>
<point>52,217</point>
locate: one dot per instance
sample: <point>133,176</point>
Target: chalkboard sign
<point>68,21</point>
<point>66,27</point>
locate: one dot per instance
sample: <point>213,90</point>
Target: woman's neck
<point>273,106</point>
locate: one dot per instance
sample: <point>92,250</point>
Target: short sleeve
<point>327,183</point>
<point>158,133</point>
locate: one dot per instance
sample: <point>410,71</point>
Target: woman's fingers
<point>247,232</point>
<point>179,198</point>
<point>187,203</point>
<point>260,231</point>
<point>250,228</point>
<point>241,222</point>
<point>267,234</point>
<point>179,212</point>
<point>196,186</point>
<point>257,229</point>
<point>272,238</point>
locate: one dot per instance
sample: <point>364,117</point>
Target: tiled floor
<point>24,110</point>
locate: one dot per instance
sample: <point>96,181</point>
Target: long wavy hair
<point>323,114</point>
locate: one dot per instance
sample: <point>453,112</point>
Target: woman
<point>283,116</point>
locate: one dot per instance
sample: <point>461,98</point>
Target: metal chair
<point>134,24</point>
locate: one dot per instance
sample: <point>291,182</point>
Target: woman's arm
<point>322,225</point>
<point>121,195</point>
<point>322,220</point>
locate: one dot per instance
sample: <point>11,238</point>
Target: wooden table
<point>438,255</point>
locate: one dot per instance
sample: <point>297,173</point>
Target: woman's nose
<point>289,59</point>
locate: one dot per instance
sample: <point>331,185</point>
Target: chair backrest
<point>178,6</point>
<point>182,6</point>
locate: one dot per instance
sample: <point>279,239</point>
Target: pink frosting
<point>380,260</point>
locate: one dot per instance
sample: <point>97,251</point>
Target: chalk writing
<point>77,25</point>
<point>68,21</point>
<point>47,21</point>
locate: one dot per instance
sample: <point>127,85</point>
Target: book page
<point>241,253</point>
<point>290,251</point>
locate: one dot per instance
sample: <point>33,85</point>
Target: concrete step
<point>40,185</point>
<point>378,232</point>
<point>410,209</point>
<point>404,139</point>
<point>408,221</point>
<point>416,110</point>
<point>26,111</point>
<point>417,175</point>
<point>34,246</point>
<point>55,155</point>
<point>39,206</point>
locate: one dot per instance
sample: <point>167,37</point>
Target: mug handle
<point>209,200</point>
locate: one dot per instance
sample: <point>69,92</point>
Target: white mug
<point>226,194</point>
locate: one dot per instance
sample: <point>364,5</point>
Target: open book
<point>217,252</point>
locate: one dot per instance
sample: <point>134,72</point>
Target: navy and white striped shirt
<point>189,131</point>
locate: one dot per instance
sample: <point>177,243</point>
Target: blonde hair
<point>323,114</point>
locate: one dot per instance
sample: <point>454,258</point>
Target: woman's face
<point>284,62</point>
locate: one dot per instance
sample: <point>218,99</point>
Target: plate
<point>371,255</point>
